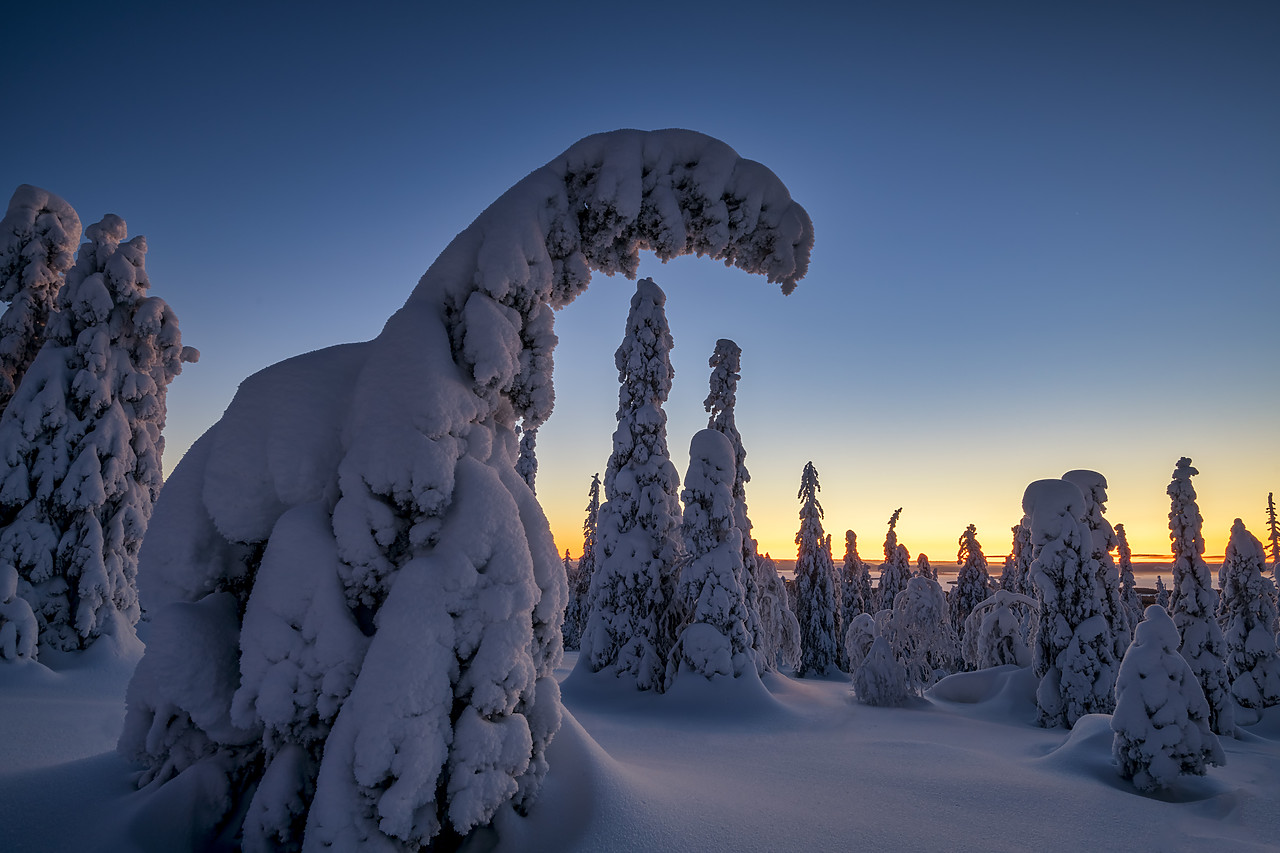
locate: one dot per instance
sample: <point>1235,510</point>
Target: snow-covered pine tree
<point>1195,602</point>
<point>1162,593</point>
<point>779,627</point>
<point>1161,720</point>
<point>855,582</point>
<point>880,679</point>
<point>38,239</point>
<point>1018,562</point>
<point>726,366</point>
<point>923,568</point>
<point>1074,654</point>
<point>639,524</point>
<point>973,584</point>
<point>895,571</point>
<point>817,607</point>
<point>920,633</point>
<point>575,617</point>
<point>858,637</point>
<point>1128,587</point>
<point>19,632</point>
<point>82,443</point>
<point>1247,612</point>
<point>1094,488</point>
<point>714,640</point>
<point>1273,537</point>
<point>995,633</point>
<point>527,461</point>
<point>357,600</point>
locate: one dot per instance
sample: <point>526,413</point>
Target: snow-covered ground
<point>712,767</point>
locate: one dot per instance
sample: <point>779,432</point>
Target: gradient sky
<point>1048,235</point>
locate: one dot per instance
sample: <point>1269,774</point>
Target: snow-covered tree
<point>855,582</point>
<point>19,633</point>
<point>880,679</point>
<point>1273,529</point>
<point>82,441</point>
<point>575,617</point>
<point>714,640</point>
<point>858,637</point>
<point>995,632</point>
<point>973,584</point>
<point>1161,720</point>
<point>357,599</point>
<point>920,633</point>
<point>527,461</point>
<point>1128,586</point>
<point>817,606</point>
<point>639,526</point>
<point>895,571</point>
<point>779,628</point>
<point>1195,602</point>
<point>38,239</point>
<point>1094,488</point>
<point>1018,562</point>
<point>1246,614</point>
<point>923,568</point>
<point>1074,655</point>
<point>1162,593</point>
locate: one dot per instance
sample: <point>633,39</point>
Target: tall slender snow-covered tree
<point>1018,562</point>
<point>1195,602</point>
<point>639,525</point>
<point>817,606</point>
<point>973,584</point>
<point>1094,488</point>
<point>1246,614</point>
<point>1074,655</point>
<point>82,441</point>
<point>38,239</point>
<point>575,617</point>
<point>714,640</point>
<point>1273,536</point>
<point>895,571</point>
<point>779,626</point>
<point>527,461</point>
<point>1162,593</point>
<point>855,582</point>
<point>1128,586</point>
<point>357,599</point>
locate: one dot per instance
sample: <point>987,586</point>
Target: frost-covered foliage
<point>817,606</point>
<point>714,640</point>
<point>1246,614</point>
<point>19,633</point>
<point>923,568</point>
<point>1128,586</point>
<point>779,628</point>
<point>1074,655</point>
<point>527,461</point>
<point>357,599</point>
<point>1161,720</point>
<point>973,584</point>
<point>895,571</point>
<point>726,364</point>
<point>920,633</point>
<point>82,440</point>
<point>575,617</point>
<point>38,239</point>
<point>858,637</point>
<point>1195,602</point>
<point>1018,562</point>
<point>639,525</point>
<point>996,630</point>
<point>1094,488</point>
<point>880,679</point>
<point>1162,593</point>
<point>855,582</point>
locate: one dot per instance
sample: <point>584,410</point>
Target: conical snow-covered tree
<point>817,606</point>
<point>1018,562</point>
<point>1094,488</point>
<point>1273,537</point>
<point>38,240</point>
<point>722,397</point>
<point>973,584</point>
<point>855,582</point>
<point>1128,586</point>
<point>895,571</point>
<point>714,641</point>
<point>1247,612</point>
<point>82,443</point>
<point>1195,602</point>
<point>1161,720</point>
<point>1074,654</point>
<point>923,567</point>
<point>779,627</point>
<point>357,599</point>
<point>575,617</point>
<point>1162,593</point>
<point>639,526</point>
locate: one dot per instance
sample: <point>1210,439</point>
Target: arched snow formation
<point>356,598</point>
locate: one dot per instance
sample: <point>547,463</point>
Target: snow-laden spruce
<point>714,639</point>
<point>38,239</point>
<point>358,600</point>
<point>1094,488</point>
<point>1074,655</point>
<point>1161,720</point>
<point>1162,593</point>
<point>924,568</point>
<point>858,637</point>
<point>817,606</point>
<point>628,632</point>
<point>996,630</point>
<point>527,460</point>
<point>880,679</point>
<point>1195,602</point>
<point>1246,613</point>
<point>895,571</point>
<point>1128,586</point>
<point>579,607</point>
<point>19,632</point>
<point>779,628</point>
<point>1017,563</point>
<point>82,441</point>
<point>920,633</point>
<point>856,593</point>
<point>1273,533</point>
<point>973,584</point>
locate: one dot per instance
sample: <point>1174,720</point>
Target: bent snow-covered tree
<point>81,442</point>
<point>358,599</point>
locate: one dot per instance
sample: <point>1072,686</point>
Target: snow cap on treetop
<point>1090,483</point>
<point>1047,502</point>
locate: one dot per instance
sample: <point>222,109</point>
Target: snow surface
<point>795,765</point>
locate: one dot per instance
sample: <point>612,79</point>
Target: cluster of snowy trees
<point>86,358</point>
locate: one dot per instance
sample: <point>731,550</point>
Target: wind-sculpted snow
<point>355,533</point>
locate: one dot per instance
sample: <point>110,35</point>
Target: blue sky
<point>1048,235</point>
